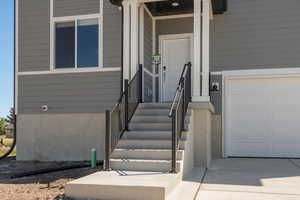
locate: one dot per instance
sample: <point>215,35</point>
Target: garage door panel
<point>262,117</point>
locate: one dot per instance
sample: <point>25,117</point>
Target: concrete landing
<point>123,185</point>
<point>188,188</point>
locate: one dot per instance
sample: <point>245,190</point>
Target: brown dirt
<point>48,186</point>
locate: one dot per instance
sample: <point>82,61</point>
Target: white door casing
<point>262,116</point>
<point>176,51</point>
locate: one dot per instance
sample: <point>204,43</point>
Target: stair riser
<point>155,112</point>
<point>152,126</point>
<point>155,106</point>
<point>143,166</point>
<point>146,155</point>
<point>152,135</point>
<point>154,119</point>
<point>147,144</point>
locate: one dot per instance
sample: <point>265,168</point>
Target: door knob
<point>164,68</point>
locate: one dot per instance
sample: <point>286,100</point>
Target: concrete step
<point>154,119</point>
<point>148,144</point>
<point>146,154</point>
<point>150,126</point>
<point>156,112</point>
<point>143,165</point>
<point>151,135</point>
<point>155,106</point>
<point>123,185</point>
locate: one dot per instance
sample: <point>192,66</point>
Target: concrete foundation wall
<point>202,122</point>
<point>60,137</point>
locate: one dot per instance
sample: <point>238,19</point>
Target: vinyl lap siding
<point>75,7</point>
<point>111,35</point>
<point>34,35</point>
<point>257,34</point>
<point>68,93</point>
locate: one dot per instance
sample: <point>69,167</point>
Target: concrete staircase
<point>141,161</point>
<point>147,146</point>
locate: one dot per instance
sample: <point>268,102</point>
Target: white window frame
<point>76,18</point>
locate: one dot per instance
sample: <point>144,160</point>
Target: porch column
<point>126,41</point>
<point>134,37</point>
<point>206,16</point>
<point>196,96</point>
<point>202,17</point>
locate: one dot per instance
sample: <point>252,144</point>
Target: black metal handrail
<point>179,109</point>
<point>118,118</point>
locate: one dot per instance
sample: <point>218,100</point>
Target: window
<point>77,44</point>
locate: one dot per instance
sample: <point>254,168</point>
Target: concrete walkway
<point>251,179</point>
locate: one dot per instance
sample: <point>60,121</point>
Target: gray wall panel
<point>75,7</point>
<point>111,35</point>
<point>68,93</point>
<point>148,37</point>
<point>257,34</point>
<point>34,35</point>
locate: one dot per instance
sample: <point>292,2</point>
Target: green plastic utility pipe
<point>93,158</point>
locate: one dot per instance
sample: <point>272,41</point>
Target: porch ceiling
<point>164,8</point>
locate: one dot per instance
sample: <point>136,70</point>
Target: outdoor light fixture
<point>175,3</point>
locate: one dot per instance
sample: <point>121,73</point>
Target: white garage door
<point>262,117</point>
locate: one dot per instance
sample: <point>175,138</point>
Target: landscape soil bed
<point>37,187</point>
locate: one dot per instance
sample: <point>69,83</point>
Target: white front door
<point>175,51</point>
<point>262,116</point>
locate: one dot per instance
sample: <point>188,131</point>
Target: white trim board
<point>16,54</point>
<point>78,70</point>
<point>173,16</point>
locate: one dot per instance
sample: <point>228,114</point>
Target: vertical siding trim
<point>141,38</point>
<point>16,54</point>
<point>51,37</point>
<point>154,88</point>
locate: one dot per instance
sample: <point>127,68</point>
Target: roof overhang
<point>160,8</point>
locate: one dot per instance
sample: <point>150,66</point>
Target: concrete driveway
<point>251,179</point>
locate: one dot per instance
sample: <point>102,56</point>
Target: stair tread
<point>143,160</point>
<point>133,149</point>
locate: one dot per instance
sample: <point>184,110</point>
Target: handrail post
<point>141,83</point>
<point>174,142</point>
<point>107,141</point>
<point>183,105</point>
<point>190,81</point>
<point>126,105</point>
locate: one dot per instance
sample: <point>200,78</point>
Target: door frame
<point>161,39</point>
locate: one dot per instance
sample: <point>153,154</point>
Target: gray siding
<point>34,35</point>
<point>111,35</point>
<point>75,7</point>
<point>148,91</point>
<point>173,26</point>
<point>68,93</point>
<point>257,34</point>
<point>148,38</point>
<point>65,93</point>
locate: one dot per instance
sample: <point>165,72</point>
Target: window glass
<point>65,45</point>
<point>87,43</point>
